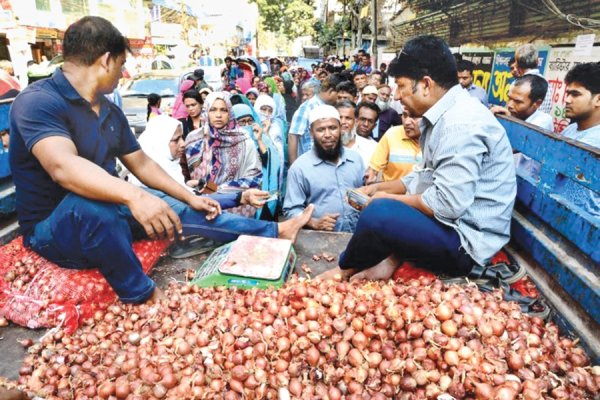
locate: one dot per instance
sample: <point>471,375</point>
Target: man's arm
<point>59,158</point>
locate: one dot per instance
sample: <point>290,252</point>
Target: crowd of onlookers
<point>264,139</point>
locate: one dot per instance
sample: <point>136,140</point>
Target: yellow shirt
<point>395,154</point>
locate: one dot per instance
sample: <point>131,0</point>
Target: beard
<point>383,105</point>
<point>348,136</point>
<point>328,154</point>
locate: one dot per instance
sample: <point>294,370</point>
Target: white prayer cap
<point>323,111</point>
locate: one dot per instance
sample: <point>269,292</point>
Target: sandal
<point>509,273</point>
<point>534,307</point>
<point>192,246</point>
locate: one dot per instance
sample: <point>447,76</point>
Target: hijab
<point>155,140</point>
<point>219,155</point>
<point>179,110</point>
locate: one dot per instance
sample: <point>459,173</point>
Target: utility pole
<point>374,44</point>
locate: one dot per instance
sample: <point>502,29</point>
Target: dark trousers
<point>389,227</point>
<point>82,233</point>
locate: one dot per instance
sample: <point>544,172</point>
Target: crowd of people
<point>279,152</point>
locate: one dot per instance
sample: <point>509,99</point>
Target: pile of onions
<point>313,339</point>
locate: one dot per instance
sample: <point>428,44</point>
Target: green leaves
<point>293,18</point>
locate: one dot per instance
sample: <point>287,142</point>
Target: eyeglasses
<point>245,121</point>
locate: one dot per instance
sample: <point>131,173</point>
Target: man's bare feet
<point>157,296</point>
<point>289,229</point>
<point>382,271</point>
<point>336,273</point>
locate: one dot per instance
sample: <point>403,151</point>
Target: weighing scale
<point>249,262</point>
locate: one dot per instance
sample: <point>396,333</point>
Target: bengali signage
<point>501,78</point>
<point>482,73</point>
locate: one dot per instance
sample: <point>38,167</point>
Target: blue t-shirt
<point>52,107</point>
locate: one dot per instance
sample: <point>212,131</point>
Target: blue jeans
<point>82,233</point>
<point>389,227</point>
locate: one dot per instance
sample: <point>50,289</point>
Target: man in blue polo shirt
<point>72,207</point>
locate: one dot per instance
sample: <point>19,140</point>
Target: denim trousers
<point>81,233</point>
<point>389,227</point>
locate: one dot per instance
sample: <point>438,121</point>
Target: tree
<point>326,35</point>
<point>293,18</point>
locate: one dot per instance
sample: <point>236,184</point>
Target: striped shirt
<point>300,126</point>
<point>467,176</point>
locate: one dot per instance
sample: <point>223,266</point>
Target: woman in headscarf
<point>163,142</point>
<point>291,102</point>
<point>266,108</point>
<point>179,110</point>
<point>193,104</point>
<point>220,153</point>
<point>272,162</point>
<point>252,94</point>
<point>274,88</point>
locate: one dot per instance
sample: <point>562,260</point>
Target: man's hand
<point>499,110</point>
<point>154,214</point>
<point>370,176</point>
<point>325,223</point>
<point>211,207</point>
<point>255,197</point>
<point>368,190</point>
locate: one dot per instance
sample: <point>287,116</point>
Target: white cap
<point>323,111</point>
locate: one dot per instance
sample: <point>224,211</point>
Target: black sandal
<point>534,307</point>
<point>192,246</point>
<point>509,273</point>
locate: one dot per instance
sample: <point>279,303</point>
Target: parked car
<point>212,76</point>
<point>135,92</point>
<point>35,72</point>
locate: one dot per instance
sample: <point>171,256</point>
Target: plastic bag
<point>35,292</point>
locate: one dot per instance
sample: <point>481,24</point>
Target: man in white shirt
<point>525,97</point>
<point>527,59</point>
<point>363,146</point>
<point>582,104</point>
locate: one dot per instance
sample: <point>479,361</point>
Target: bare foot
<point>157,296</point>
<point>382,271</point>
<point>289,229</point>
<point>336,273</point>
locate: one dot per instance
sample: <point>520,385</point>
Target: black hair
<point>348,87</point>
<point>346,75</point>
<point>89,38</point>
<point>382,76</point>
<point>423,56</point>
<point>192,94</point>
<point>329,68</point>
<point>228,58</point>
<point>236,99</point>
<point>358,72</point>
<point>345,104</point>
<point>587,75</point>
<point>153,100</point>
<point>539,86</point>
<point>465,65</point>
<point>330,82</point>
<point>511,61</point>
<point>367,104</point>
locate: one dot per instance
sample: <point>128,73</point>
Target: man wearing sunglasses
<point>453,211</point>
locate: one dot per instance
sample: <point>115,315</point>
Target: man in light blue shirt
<point>525,96</point>
<point>582,104</point>
<point>454,210</point>
<point>299,137</point>
<point>323,175</point>
<point>465,78</point>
